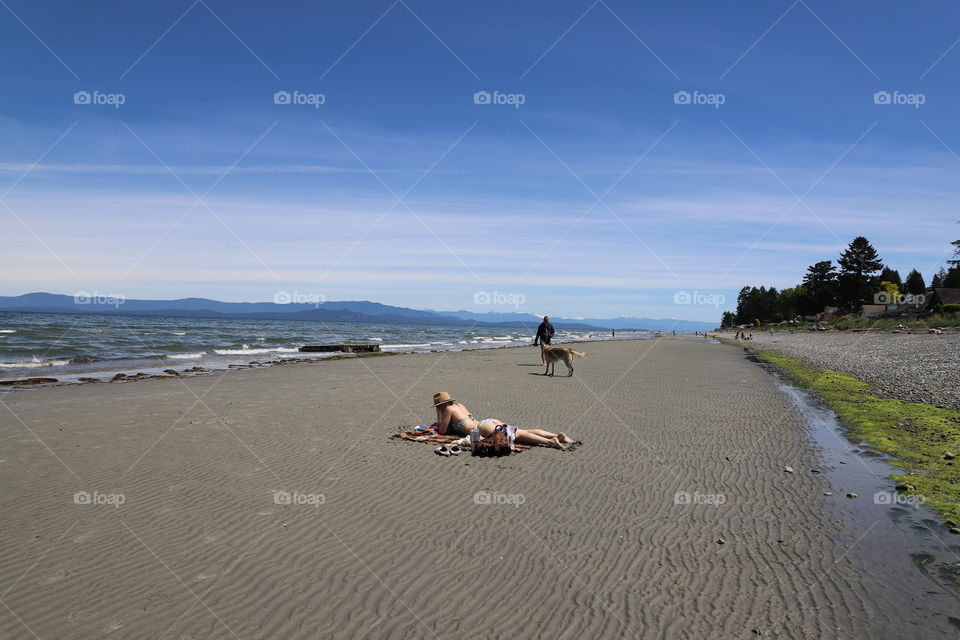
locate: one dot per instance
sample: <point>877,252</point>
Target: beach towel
<point>435,439</point>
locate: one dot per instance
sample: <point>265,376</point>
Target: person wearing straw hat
<point>453,417</point>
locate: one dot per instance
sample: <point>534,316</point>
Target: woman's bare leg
<point>543,433</point>
<point>529,436</point>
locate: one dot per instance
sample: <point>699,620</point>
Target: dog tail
<point>577,353</point>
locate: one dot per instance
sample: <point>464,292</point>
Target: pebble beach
<point>916,367</point>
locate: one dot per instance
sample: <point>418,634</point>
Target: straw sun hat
<point>442,398</point>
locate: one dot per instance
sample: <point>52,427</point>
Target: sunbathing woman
<point>454,418</point>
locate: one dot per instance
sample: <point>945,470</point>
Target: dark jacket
<point>544,332</point>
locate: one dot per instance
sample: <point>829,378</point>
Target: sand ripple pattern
<point>399,548</point>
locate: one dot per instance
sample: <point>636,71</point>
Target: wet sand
<point>384,539</point>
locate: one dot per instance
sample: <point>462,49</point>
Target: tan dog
<point>551,355</point>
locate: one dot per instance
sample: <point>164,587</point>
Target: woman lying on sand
<point>453,417</point>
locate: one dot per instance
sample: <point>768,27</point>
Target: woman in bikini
<point>454,418</point>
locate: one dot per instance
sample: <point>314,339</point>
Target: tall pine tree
<point>915,283</point>
<point>859,266</point>
<point>820,283</point>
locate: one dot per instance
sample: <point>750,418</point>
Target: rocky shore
<point>909,366</point>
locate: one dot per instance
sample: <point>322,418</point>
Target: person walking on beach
<point>455,418</point>
<point>544,335</point>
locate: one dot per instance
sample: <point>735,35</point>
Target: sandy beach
<point>149,509</point>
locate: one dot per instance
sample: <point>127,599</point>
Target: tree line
<point>859,278</point>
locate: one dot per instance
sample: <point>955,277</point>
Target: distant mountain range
<point>359,311</point>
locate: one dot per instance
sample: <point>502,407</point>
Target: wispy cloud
<point>144,169</point>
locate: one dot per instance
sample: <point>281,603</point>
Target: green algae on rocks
<point>921,439</point>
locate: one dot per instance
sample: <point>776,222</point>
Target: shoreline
<point>916,439</point>
<point>164,371</point>
<point>675,517</point>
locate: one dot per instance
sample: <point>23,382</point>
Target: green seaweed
<point>921,560</point>
<point>916,438</point>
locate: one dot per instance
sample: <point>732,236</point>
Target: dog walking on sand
<point>551,355</point>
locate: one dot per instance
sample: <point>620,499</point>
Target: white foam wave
<point>187,356</point>
<point>425,345</point>
<point>376,339</point>
<point>8,330</point>
<point>179,333</point>
<point>33,364</point>
<point>246,351</point>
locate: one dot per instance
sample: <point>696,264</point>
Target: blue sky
<point>599,195</point>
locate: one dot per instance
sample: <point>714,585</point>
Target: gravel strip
<point>914,367</point>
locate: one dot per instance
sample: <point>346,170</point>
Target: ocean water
<point>71,346</point>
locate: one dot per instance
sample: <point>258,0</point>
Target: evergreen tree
<point>820,284</point>
<point>743,306</point>
<point>956,254</point>
<point>938,278</point>
<point>858,280</point>
<point>915,283</point>
<point>891,275</point>
<point>952,279</point>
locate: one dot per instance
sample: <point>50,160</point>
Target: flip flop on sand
<point>442,450</point>
<point>455,450</point>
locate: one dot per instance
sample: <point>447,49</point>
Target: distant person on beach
<point>544,334</point>
<point>456,419</point>
<point>613,333</point>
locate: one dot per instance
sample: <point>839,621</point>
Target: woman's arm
<point>443,420</point>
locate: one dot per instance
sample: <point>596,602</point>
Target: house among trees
<point>944,296</point>
<point>860,285</point>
